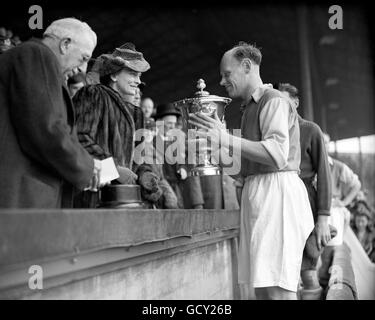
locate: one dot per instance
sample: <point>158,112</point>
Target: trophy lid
<point>200,86</point>
<point>203,95</point>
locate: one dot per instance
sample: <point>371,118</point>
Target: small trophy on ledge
<point>202,102</point>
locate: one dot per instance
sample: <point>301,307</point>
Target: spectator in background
<point>363,226</point>
<point>314,163</point>
<point>358,200</point>
<point>7,40</point>
<point>345,187</point>
<point>137,97</point>
<point>147,106</point>
<point>175,173</point>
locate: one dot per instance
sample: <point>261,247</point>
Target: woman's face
<point>361,222</point>
<point>126,82</point>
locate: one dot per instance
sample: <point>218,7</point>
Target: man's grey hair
<point>69,28</point>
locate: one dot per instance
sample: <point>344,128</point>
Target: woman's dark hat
<point>125,56</point>
<point>166,110</point>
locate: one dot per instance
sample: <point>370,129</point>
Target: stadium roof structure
<point>184,44</point>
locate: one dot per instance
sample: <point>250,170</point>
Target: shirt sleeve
<point>275,132</point>
<point>348,179</point>
<point>320,163</point>
<point>347,176</point>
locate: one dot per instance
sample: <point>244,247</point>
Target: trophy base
<point>121,196</point>
<point>205,171</point>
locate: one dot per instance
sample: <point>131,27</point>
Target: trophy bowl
<point>121,196</point>
<point>207,104</point>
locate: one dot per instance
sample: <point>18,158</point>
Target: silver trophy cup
<point>202,102</point>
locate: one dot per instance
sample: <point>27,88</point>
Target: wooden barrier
<point>363,268</point>
<point>119,254</point>
<point>342,284</point>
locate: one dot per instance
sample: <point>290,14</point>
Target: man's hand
<point>211,127</point>
<point>323,235</point>
<point>95,183</point>
<point>211,136</point>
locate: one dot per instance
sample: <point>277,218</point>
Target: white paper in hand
<point>109,171</point>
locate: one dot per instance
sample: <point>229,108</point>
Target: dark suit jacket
<point>40,151</point>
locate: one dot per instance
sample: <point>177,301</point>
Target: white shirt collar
<point>258,93</point>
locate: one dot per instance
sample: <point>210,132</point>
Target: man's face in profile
<point>232,76</point>
<point>78,53</point>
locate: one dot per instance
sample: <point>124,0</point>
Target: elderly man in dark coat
<point>107,120</point>
<point>40,152</point>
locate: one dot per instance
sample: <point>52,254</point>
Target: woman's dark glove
<point>150,188</point>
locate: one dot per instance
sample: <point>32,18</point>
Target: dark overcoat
<point>40,155</point>
<point>106,126</point>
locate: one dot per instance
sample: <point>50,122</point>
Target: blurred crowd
<point>362,217</point>
<point>8,40</point>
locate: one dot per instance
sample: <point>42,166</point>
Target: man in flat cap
<point>107,120</point>
<point>41,157</point>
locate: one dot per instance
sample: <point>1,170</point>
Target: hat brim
<point>137,65</point>
<point>171,113</point>
<point>110,64</point>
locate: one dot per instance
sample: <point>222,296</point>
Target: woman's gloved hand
<point>149,182</point>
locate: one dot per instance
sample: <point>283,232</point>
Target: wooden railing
<point>73,245</point>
